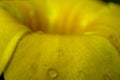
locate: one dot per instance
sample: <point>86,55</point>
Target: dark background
<point>2,77</point>
<point>115,1</point>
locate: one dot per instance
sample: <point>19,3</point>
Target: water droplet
<point>60,52</point>
<point>106,77</point>
<point>78,73</point>
<point>52,73</point>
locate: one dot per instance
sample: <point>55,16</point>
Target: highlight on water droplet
<point>52,73</point>
<point>78,73</point>
<point>106,77</point>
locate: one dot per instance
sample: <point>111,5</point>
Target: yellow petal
<point>45,57</point>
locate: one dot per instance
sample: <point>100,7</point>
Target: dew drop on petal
<point>79,74</point>
<point>52,73</point>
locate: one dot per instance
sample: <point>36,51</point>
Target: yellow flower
<point>81,40</point>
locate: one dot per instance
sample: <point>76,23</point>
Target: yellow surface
<point>88,49</point>
<point>48,57</point>
<point>10,33</point>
